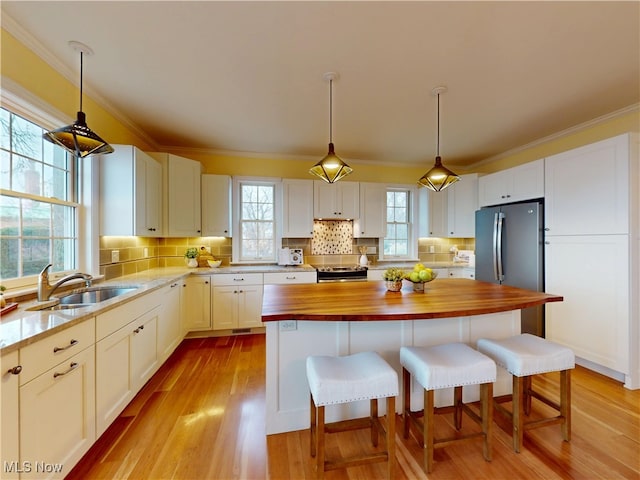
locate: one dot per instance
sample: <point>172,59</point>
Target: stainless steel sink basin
<point>92,295</point>
<point>69,306</point>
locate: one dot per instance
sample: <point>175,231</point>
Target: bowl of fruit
<point>419,276</point>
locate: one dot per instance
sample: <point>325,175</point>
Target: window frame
<point>236,247</point>
<point>412,217</point>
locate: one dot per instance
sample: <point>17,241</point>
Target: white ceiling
<point>247,77</point>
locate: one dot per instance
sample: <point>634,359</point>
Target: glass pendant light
<point>77,138</point>
<point>439,177</point>
<point>331,168</point>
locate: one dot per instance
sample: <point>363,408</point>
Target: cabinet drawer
<point>49,352</point>
<point>281,278</point>
<point>237,279</point>
<point>113,320</point>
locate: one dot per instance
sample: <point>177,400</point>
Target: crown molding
<point>33,44</point>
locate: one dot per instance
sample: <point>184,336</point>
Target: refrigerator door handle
<point>498,244</point>
<point>494,246</point>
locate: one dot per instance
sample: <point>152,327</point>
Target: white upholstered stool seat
<point>351,378</point>
<point>524,356</point>
<point>444,366</point>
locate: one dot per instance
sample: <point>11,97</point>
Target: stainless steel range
<point>341,273</point>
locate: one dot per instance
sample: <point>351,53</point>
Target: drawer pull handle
<point>72,367</point>
<point>62,349</point>
<point>137,330</point>
<point>15,370</point>
<point>238,279</point>
<point>291,278</point>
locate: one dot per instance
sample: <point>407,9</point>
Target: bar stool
<point>525,356</point>
<point>336,380</point>
<point>445,366</point>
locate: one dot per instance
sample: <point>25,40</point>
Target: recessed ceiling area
<point>247,77</point>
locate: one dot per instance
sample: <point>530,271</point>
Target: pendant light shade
<point>331,168</point>
<point>77,138</point>
<point>439,177</point>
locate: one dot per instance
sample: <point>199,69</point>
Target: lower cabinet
<point>125,360</point>
<point>237,301</point>
<point>196,308</point>
<point>463,272</point>
<point>9,413</point>
<point>57,417</point>
<point>169,320</point>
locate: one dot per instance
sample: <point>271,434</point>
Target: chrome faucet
<point>45,289</point>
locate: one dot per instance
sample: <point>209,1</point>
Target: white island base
<point>290,342</point>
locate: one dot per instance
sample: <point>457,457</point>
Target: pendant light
<point>77,138</point>
<point>439,177</point>
<point>331,168</point>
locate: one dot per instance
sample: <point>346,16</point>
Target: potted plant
<point>393,278</point>
<point>192,257</point>
<point>3,302</point>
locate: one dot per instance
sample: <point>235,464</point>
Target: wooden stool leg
<point>373,414</point>
<point>428,430</point>
<point>320,447</point>
<point>565,403</point>
<point>313,428</point>
<point>486,407</point>
<point>518,417</point>
<point>526,389</point>
<point>391,437</point>
<point>406,388</point>
<point>457,407</point>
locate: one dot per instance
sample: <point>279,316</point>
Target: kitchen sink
<point>91,295</point>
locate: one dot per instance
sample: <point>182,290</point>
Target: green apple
<point>425,275</point>
<point>414,276</point>
<point>417,267</point>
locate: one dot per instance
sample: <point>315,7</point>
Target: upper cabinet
<point>297,208</point>
<point>130,193</point>
<point>216,205</point>
<point>371,223</point>
<point>340,201</point>
<point>524,182</point>
<point>452,212</point>
<point>587,189</point>
<point>182,195</point>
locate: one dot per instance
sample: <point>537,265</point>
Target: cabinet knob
<point>547,243</point>
<point>547,229</point>
<point>206,282</point>
<point>15,370</point>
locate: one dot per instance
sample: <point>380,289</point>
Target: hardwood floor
<point>202,417</point>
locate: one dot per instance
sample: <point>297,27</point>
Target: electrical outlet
<point>115,256</point>
<point>145,252</point>
<point>288,325</point>
<point>432,249</point>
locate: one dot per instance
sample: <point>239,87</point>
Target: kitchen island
<point>345,318</point>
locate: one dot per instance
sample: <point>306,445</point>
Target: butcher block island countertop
<point>367,301</point>
<point>344,318</point>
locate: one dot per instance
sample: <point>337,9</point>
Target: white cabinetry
<point>339,200</point>
<point>130,193</point>
<point>216,205</point>
<point>371,222</point>
<point>126,356</point>
<point>284,278</point>
<point>524,182</point>
<point>297,208</point>
<point>462,272</point>
<point>452,212</point>
<point>9,413</point>
<point>57,400</point>
<point>181,178</point>
<point>196,311</point>
<point>237,301</point>
<point>169,321</point>
<point>592,254</point>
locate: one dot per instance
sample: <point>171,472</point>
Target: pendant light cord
<point>330,111</point>
<point>438,139</point>
<point>80,80</point>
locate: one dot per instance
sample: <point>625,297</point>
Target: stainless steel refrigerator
<point>510,251</point>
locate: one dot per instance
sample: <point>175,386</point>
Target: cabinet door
<point>169,329</point>
<point>528,181</point>
<point>371,222</point>
<point>225,307</point>
<point>216,206</point>
<point>336,200</point>
<point>297,208</point>
<point>144,357</point>
<point>438,217</point>
<point>183,197</point>
<point>250,306</point>
<point>114,389</point>
<point>590,272</point>
<point>152,226</point>
<point>9,411</point>
<point>197,303</point>
<point>587,189</point>
<point>57,414</point>
<point>493,188</point>
<point>349,199</point>
<point>462,203</point>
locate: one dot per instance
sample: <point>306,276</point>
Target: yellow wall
<point>25,68</point>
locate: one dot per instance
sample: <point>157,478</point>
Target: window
<point>38,212</point>
<point>255,240</point>
<point>397,243</point>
